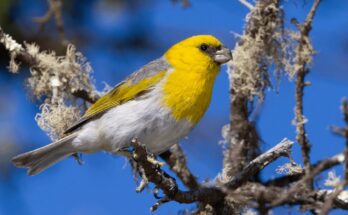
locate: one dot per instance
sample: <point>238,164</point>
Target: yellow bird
<point>159,104</point>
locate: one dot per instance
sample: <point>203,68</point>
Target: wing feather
<point>137,84</point>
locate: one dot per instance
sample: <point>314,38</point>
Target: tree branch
<point>302,60</point>
<point>330,200</point>
<point>256,165</point>
<point>54,10</point>
<point>247,4</point>
<point>168,185</point>
<point>308,199</point>
<point>176,160</point>
<point>320,166</point>
<point>17,51</point>
<point>248,79</point>
<point>90,97</point>
<point>204,195</point>
<point>309,176</point>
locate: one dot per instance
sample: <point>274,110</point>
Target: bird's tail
<point>40,159</point>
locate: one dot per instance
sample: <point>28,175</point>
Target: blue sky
<point>104,184</point>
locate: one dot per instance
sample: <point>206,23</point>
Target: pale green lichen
<point>290,168</point>
<point>296,54</point>
<point>54,119</point>
<point>62,74</point>
<point>266,45</point>
<point>56,78</point>
<point>261,46</point>
<point>13,47</point>
<point>332,180</point>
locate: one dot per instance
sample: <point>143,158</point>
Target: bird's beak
<point>222,56</point>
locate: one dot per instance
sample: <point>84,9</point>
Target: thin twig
<point>308,177</point>
<point>318,169</point>
<point>300,120</point>
<point>247,4</point>
<point>176,160</point>
<point>281,149</point>
<point>339,131</point>
<point>268,194</point>
<point>54,10</point>
<point>329,202</point>
<point>90,97</point>
<point>340,202</point>
<point>17,51</point>
<point>185,3</point>
<point>320,166</point>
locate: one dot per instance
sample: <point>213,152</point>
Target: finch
<point>158,104</point>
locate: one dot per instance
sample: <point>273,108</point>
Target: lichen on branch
<point>261,45</point>
<point>56,81</point>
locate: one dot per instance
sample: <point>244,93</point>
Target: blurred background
<point>118,37</point>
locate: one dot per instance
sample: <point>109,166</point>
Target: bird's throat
<point>187,94</point>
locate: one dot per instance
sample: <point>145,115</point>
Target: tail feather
<point>40,159</point>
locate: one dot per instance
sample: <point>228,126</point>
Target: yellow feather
<point>123,93</point>
<point>187,90</point>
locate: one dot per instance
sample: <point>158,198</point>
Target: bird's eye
<point>204,47</point>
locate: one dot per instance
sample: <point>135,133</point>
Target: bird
<point>159,104</point>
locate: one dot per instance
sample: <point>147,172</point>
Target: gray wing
<point>149,70</point>
<point>146,71</point>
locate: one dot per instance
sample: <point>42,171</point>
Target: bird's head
<point>201,51</point>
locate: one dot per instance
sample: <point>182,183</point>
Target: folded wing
<point>137,84</point>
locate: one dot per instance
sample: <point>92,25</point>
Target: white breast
<point>145,119</point>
